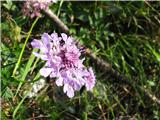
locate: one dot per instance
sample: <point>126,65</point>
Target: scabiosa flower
<point>32,8</point>
<point>63,62</point>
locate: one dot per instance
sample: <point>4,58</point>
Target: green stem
<point>25,96</point>
<point>59,8</point>
<point>21,54</point>
<point>26,70</point>
<point>18,106</point>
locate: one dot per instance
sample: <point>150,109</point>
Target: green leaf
<point>150,83</point>
<point>8,93</point>
<point>8,5</point>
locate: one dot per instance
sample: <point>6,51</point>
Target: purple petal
<point>90,82</point>
<point>54,36</point>
<point>70,92</point>
<point>92,73</point>
<point>69,40</point>
<point>36,43</point>
<point>46,40</point>
<point>64,36</point>
<point>32,15</point>
<point>65,88</point>
<point>59,81</point>
<point>56,60</point>
<point>77,86</point>
<point>54,72</point>
<point>43,57</point>
<point>45,71</point>
<point>44,49</point>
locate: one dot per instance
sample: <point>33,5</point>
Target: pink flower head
<point>63,62</point>
<point>32,8</point>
